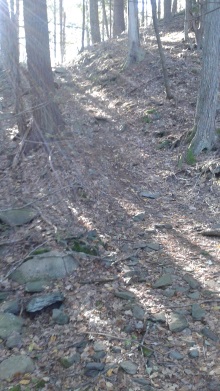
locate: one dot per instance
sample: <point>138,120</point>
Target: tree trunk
<point>105,19</point>
<point>143,13</point>
<point>55,29</point>
<point>135,53</point>
<point>167,11</point>
<point>198,16</point>
<point>159,10</point>
<point>162,57</point>
<point>186,20</point>
<point>110,17</point>
<point>83,25</point>
<point>118,18</point>
<point>47,120</point>
<point>94,22</point>
<point>204,125</point>
<point>174,7</point>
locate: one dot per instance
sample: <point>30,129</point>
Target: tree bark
<point>160,48</point>
<point>94,22</point>
<point>118,18</point>
<point>47,120</point>
<point>204,125</point>
<point>167,11</point>
<point>105,19</point>
<point>135,53</point>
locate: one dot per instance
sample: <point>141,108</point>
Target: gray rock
<point>163,226</point>
<point>177,322</point>
<point>98,356</point>
<point>194,295</point>
<point>175,355</point>
<point>92,369</point>
<point>9,323</point>
<point>11,306</point>
<point>147,194</point>
<point>209,334</point>
<point>115,349</point>
<point>193,352</point>
<point>129,367</point>
<point>141,381</point>
<point>139,217</point>
<point>181,289</point>
<point>14,341</point>
<point>3,296</point>
<point>59,317</point>
<point>169,292</point>
<point>138,312</point>
<point>40,302</point>
<point>16,217</point>
<point>67,362</point>
<point>126,295</point>
<point>36,286</point>
<point>133,276</point>
<point>158,317</point>
<point>47,266</point>
<point>153,246</point>
<point>193,283</point>
<point>163,281</point>
<point>15,364</point>
<point>99,346</point>
<point>198,313</point>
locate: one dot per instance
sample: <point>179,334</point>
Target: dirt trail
<point>100,165</point>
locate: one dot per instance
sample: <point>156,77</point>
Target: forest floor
<point>114,175</point>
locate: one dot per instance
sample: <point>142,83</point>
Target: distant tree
<point>83,25</point>
<point>94,21</point>
<point>204,125</point>
<point>105,28</point>
<point>167,11</point>
<point>118,18</point>
<point>197,16</point>
<point>135,52</point>
<point>162,57</point>
<point>186,19</point>
<point>46,118</point>
<point>62,31</point>
<point>174,7</point>
<point>159,10</point>
<point>5,27</point>
<point>55,29</point>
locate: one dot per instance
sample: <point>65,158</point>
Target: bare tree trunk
<point>118,18</point>
<point>204,125</point>
<point>55,29</point>
<point>135,53</point>
<point>167,11</point>
<point>83,25</point>
<point>105,18</point>
<point>87,24</point>
<point>47,120</point>
<point>186,20</point>
<point>174,7</point>
<point>162,57</point>
<point>143,13</point>
<point>159,10</point>
<point>94,22</point>
<point>198,10</point>
<point>110,13</point>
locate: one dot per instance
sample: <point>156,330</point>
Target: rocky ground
<point>110,248</point>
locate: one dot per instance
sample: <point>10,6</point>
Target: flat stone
<point>11,306</point>
<point>9,323</point>
<point>193,352</point>
<point>126,295</point>
<point>198,313</point>
<point>59,317</point>
<point>14,341</point>
<point>129,367</point>
<point>138,312</point>
<point>139,217</point>
<point>16,217</point>
<point>97,356</point>
<point>209,334</point>
<point>67,362</point>
<point>15,364</point>
<point>177,323</point>
<point>175,355</point>
<point>163,226</point>
<point>99,346</point>
<point>194,295</point>
<point>40,302</point>
<point>163,281</point>
<point>193,283</point>
<point>169,292</point>
<point>153,246</point>
<point>36,286</point>
<point>115,349</point>
<point>147,194</point>
<point>47,266</point>
<point>158,317</point>
<point>92,369</point>
<point>3,295</point>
